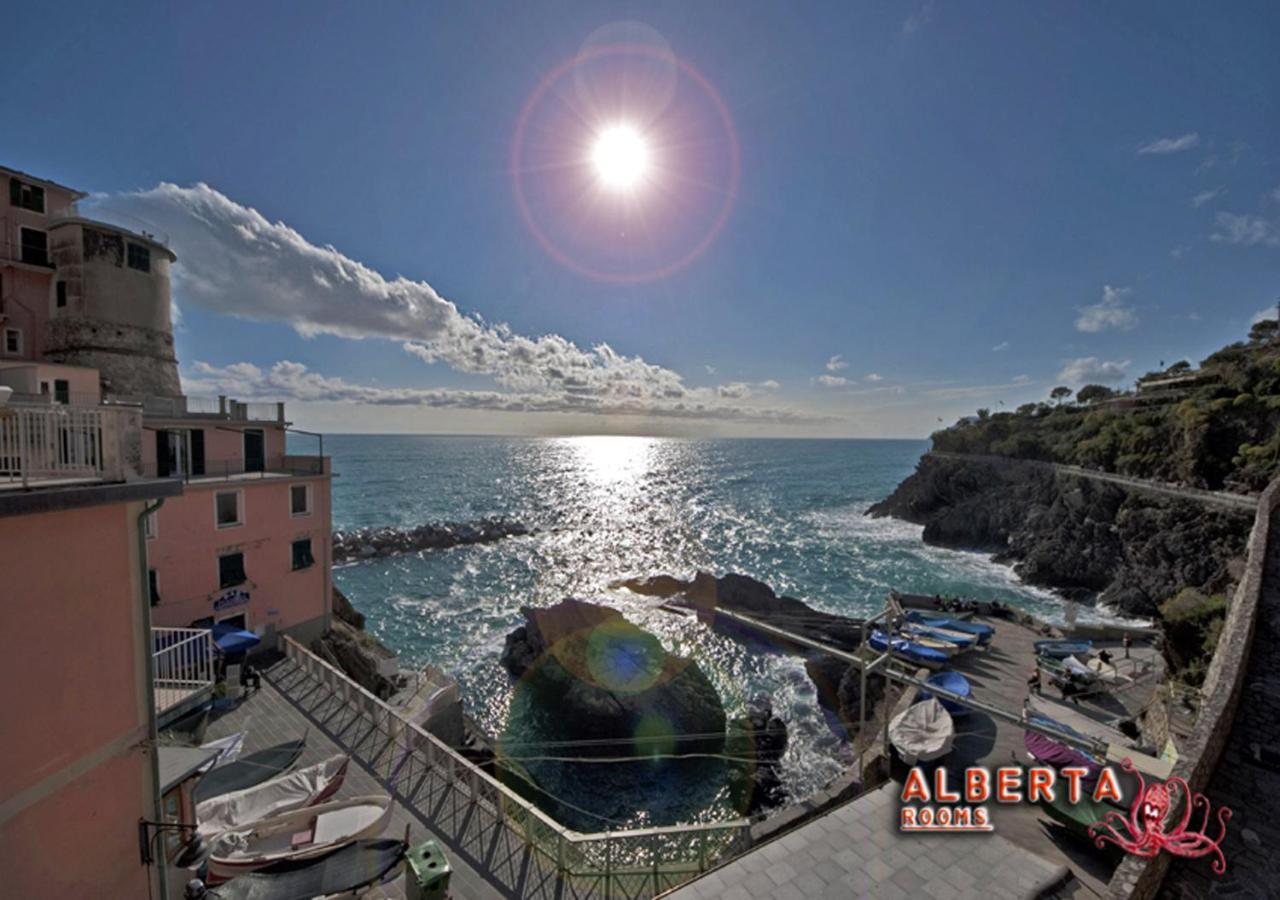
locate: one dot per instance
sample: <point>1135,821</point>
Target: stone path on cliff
<point>1249,786</point>
<point>1196,495</point>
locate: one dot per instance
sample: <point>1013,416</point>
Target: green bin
<point>428,873</point>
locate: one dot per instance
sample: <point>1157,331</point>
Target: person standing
<point>1128,642</point>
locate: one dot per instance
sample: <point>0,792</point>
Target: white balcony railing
<point>54,442</point>
<point>182,666</point>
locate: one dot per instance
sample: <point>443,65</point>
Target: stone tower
<point>110,307</point>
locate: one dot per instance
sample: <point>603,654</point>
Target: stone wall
<point>1142,879</point>
<point>131,360</point>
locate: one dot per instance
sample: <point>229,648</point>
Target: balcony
<point>46,446</point>
<point>203,407</point>
<point>182,671</point>
<point>286,465</point>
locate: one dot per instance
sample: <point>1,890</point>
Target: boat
<point>1107,672</point>
<point>1077,719</point>
<point>1062,649</point>
<point>252,769</point>
<point>290,791</point>
<point>297,835</point>
<point>984,633</point>
<point>228,749</point>
<point>1058,669</point>
<point>905,649</point>
<point>358,865</point>
<point>922,732</point>
<point>946,648</point>
<point>954,638</point>
<point>1076,817</point>
<point>954,683</point>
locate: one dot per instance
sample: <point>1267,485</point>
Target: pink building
<point>132,520</point>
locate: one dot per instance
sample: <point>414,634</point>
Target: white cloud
<point>831,381</point>
<point>1178,252</point>
<point>711,370</point>
<point>234,261</point>
<point>919,19</point>
<point>1263,315</point>
<point>1021,379</point>
<point>1204,197</point>
<point>1245,229</point>
<point>287,380</point>
<point>873,377</point>
<point>1003,345</point>
<point>1171,144</point>
<point>836,363</point>
<point>1090,369</point>
<point>1110,313</point>
<point>1275,195</point>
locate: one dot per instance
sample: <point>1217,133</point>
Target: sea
<point>791,513</point>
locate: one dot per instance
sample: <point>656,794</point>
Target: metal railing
<point>182,665</point>
<point>55,442</point>
<point>638,862</point>
<point>235,467</point>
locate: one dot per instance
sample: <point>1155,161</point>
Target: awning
<point>234,640</point>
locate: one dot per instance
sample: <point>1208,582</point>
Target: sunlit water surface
<point>788,512</point>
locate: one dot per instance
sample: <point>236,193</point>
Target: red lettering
<point>977,785</point>
<point>1108,786</point>
<point>915,787</point>
<point>1074,774</point>
<point>908,817</point>
<point>940,792</point>
<point>1040,784</point>
<point>1008,784</point>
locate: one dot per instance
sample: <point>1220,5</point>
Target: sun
<point>620,157</point>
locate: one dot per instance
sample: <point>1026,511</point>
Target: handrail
<point>586,854</point>
<point>182,661</point>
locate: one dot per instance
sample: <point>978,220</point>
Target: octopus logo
<point>1143,832</point>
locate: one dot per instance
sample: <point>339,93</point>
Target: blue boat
<point>964,641</point>
<point>953,682</point>
<point>1063,649</point>
<point>925,656</point>
<point>983,633</point>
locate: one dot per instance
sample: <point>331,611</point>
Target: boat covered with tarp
<point>1063,649</point>
<point>249,770</point>
<point>984,633</point>
<point>1077,720</point>
<point>960,641</point>
<point>290,791</point>
<point>922,732</point>
<point>308,833</point>
<point>1079,816</point>
<point>356,866</point>
<point>912,651</point>
<point>954,683</point>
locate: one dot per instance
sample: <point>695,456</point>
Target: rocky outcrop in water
<point>760,737</point>
<point>353,650</point>
<point>603,678</point>
<point>370,543</point>
<point>839,687</point>
<point>1088,540</point>
<point>739,593</point>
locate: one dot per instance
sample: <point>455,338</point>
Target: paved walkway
<point>1220,498</point>
<point>269,717</point>
<point>857,851</point>
<point>1242,782</point>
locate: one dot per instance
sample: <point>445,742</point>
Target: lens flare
<point>620,156</point>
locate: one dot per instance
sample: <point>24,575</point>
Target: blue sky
<point>960,204</point>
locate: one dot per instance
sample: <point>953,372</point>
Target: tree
<point>1092,393</point>
<point>1264,330</point>
<point>1179,367</point>
<point>983,414</point>
<point>1060,393</point>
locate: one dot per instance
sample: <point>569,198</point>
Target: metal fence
<point>55,442</point>
<point>182,664</point>
<point>428,774</point>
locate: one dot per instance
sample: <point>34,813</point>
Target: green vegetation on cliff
<point>1217,427</point>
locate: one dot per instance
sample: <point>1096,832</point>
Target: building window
<point>300,500</point>
<point>35,246</point>
<point>302,558</point>
<point>62,391</point>
<point>60,299</point>
<point>102,246</point>
<point>231,570</point>
<point>152,525</point>
<point>13,341</point>
<point>26,196</point>
<point>140,257</point>
<point>153,583</point>
<point>227,508</point>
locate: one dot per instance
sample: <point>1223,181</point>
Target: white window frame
<point>240,510</point>
<point>153,525</point>
<point>310,500</point>
<point>21,342</point>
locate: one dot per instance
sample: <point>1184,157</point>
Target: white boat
<point>298,835</point>
<point>285,793</point>
<point>944,647</point>
<point>922,732</point>
<point>1107,672</point>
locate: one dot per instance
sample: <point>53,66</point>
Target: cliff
<point>1086,539</point>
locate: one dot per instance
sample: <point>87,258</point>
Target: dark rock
<point>839,687</point>
<point>368,543</point>
<point>1088,540</point>
<point>759,737</point>
<point>601,677</point>
<point>357,654</point>
<point>343,609</point>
